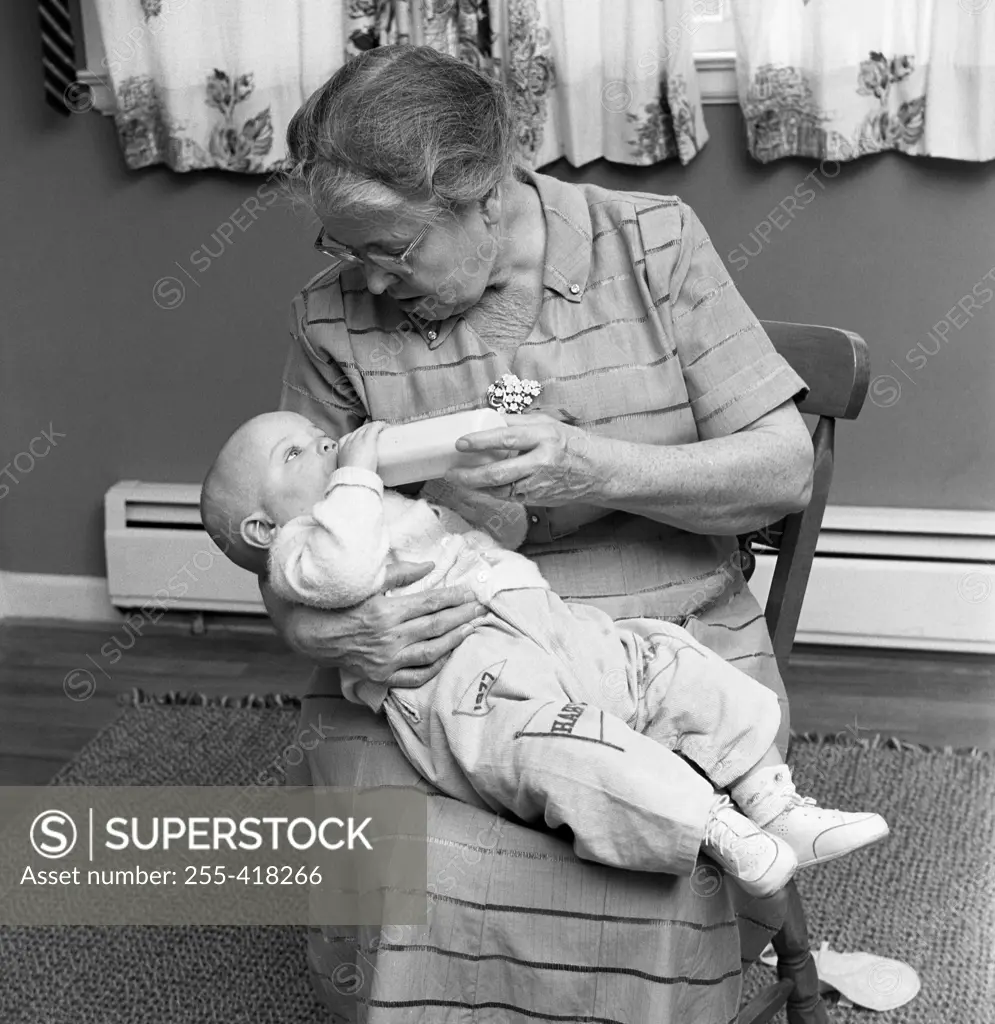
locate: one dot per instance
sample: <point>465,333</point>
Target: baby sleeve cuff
<point>358,476</point>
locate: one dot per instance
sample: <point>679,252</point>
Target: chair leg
<point>795,963</point>
<point>762,1009</point>
<point>754,915</point>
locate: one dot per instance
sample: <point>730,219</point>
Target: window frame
<point>95,60</point>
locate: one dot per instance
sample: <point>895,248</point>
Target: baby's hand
<point>360,447</point>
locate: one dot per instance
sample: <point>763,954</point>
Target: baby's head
<point>271,470</point>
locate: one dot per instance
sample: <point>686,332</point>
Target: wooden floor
<point>936,699</point>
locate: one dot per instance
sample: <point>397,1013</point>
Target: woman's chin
<point>428,308</point>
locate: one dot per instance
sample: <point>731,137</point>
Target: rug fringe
<point>845,738</point>
<point>139,697</point>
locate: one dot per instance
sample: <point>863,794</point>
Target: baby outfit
<point>549,709</point>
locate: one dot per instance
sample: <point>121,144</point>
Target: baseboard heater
<point>890,577</point>
<point>158,553</point>
<point>896,577</point>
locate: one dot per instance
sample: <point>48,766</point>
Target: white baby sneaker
<point>760,862</point>
<point>865,979</point>
<point>814,833</point>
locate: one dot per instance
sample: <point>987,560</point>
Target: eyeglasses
<point>388,261</point>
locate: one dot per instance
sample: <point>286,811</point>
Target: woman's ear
<point>258,530</point>
<point>491,205</point>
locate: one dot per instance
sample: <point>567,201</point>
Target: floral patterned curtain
<point>588,78</point>
<point>213,83</point>
<point>626,87</point>
<point>838,79</point>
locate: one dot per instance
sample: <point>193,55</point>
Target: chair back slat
<point>834,363</point>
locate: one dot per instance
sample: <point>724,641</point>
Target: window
<point>715,50</point>
<point>713,27</point>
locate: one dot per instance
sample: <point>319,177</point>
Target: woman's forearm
<point>296,624</point>
<point>728,485</point>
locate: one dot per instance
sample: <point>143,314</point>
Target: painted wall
<point>144,313</point>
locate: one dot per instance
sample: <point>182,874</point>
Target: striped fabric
<point>58,54</point>
<point>519,930</point>
<point>643,337</point>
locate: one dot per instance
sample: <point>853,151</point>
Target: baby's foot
<point>814,833</point>
<point>760,862</point>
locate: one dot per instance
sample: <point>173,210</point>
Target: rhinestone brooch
<point>509,394</point>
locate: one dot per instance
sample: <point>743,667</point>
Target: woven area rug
<point>927,896</point>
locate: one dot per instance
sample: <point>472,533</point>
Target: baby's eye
<point>293,451</point>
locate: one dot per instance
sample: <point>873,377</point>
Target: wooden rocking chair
<point>836,366</point>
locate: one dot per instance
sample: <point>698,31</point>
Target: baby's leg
<point>726,722</point>
<point>497,725</point>
<point>698,704</point>
<point>498,722</point>
<point>628,801</point>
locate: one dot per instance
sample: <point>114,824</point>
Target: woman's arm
<point>399,641</point>
<point>751,462</point>
<point>725,485</point>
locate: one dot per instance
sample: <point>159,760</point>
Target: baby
<point>548,709</point>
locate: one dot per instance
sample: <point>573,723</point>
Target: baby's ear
<point>258,530</point>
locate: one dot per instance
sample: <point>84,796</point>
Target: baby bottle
<point>412,452</point>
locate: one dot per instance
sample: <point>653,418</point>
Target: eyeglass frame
<point>347,255</point>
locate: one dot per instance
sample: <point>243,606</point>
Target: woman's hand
<point>557,463</point>
<point>398,640</point>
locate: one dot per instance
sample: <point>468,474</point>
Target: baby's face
<point>293,460</point>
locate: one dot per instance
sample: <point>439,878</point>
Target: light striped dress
<point>643,336</point>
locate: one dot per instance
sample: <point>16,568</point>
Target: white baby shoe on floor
<point>868,980</point>
<point>760,862</point>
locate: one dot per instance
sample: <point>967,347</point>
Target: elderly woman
<point>669,428</point>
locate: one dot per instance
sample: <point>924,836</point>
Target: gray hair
<point>400,127</point>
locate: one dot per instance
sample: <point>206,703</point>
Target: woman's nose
<point>377,279</point>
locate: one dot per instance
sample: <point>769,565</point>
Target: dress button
<point>432,335</point>
<point>481,576</point>
<point>533,519</point>
<point>574,289</point>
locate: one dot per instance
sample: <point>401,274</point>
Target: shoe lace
<point>795,799</point>
<point>717,832</point>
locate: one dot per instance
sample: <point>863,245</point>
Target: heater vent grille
<point>158,552</point>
